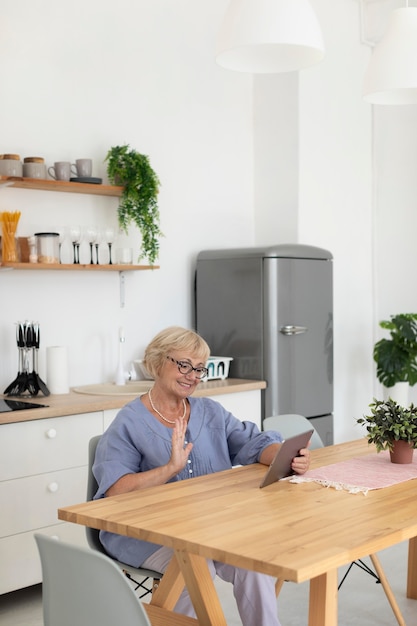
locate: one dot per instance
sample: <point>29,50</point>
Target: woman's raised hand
<point>180,451</point>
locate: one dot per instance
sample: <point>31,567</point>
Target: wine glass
<point>109,237</point>
<point>91,236</point>
<point>61,230</point>
<point>75,236</point>
<point>97,242</point>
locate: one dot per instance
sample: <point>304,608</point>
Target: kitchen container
<point>8,224</point>
<point>10,165</point>
<point>47,245</point>
<point>34,167</point>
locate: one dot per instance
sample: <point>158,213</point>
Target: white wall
<point>242,161</point>
<point>80,78</point>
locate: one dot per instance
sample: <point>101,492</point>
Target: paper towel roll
<point>57,369</point>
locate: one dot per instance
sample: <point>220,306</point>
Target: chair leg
<point>388,591</point>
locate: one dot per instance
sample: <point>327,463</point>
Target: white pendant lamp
<point>269,36</point>
<point>391,77</point>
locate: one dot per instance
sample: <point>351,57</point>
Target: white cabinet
<point>245,405</point>
<point>43,467</point>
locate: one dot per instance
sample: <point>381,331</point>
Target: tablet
<point>281,465</point>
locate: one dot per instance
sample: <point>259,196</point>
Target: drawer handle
<point>53,487</point>
<point>51,433</point>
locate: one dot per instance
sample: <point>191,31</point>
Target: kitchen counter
<point>76,403</point>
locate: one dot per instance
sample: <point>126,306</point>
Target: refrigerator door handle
<point>293,330</point>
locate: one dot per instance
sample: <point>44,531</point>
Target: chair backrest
<point>292,424</point>
<point>92,486</point>
<point>82,587</point>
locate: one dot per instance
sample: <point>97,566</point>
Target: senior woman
<point>166,435</point>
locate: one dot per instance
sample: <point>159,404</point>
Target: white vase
<point>399,393</point>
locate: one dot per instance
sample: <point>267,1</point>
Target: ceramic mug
<point>61,170</point>
<point>82,168</point>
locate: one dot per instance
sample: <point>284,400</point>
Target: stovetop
<point>18,405</point>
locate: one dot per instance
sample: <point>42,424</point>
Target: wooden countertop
<point>74,403</point>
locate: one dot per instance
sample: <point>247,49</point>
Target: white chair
<point>145,579</point>
<point>292,424</point>
<point>82,587</point>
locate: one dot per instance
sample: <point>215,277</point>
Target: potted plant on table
<point>139,201</point>
<point>392,427</point>
<point>396,356</point>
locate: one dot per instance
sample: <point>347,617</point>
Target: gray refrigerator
<point>271,309</point>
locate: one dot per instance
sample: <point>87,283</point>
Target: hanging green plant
<point>139,202</point>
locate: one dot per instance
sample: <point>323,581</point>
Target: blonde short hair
<point>175,339</point>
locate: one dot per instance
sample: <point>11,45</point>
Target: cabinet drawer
<point>32,502</point>
<point>38,446</point>
<point>19,557</point>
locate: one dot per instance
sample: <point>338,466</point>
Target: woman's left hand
<point>301,463</point>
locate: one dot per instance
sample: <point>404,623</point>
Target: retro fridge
<point>271,309</point>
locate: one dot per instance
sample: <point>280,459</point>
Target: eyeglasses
<point>184,367</point>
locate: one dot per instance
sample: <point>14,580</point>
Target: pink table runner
<point>359,475</point>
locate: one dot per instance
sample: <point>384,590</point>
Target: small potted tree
<point>139,201</point>
<point>396,356</point>
<point>392,427</point>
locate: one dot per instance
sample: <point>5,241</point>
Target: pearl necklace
<point>160,414</point>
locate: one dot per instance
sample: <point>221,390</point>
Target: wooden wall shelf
<point>79,267</point>
<point>60,185</point>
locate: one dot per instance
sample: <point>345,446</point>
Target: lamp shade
<point>391,77</point>
<point>269,36</point>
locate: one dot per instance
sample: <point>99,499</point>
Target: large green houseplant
<point>396,357</point>
<point>139,201</point>
<point>389,423</point>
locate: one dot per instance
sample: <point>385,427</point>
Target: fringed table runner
<point>361,474</point>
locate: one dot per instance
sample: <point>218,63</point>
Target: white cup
<point>124,256</point>
<point>83,168</point>
<point>61,170</point>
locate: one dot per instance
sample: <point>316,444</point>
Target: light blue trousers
<point>254,593</point>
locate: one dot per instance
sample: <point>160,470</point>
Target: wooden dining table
<point>296,532</point>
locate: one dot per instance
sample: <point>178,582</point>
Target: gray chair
<point>146,580</point>
<point>82,587</point>
<point>292,424</point>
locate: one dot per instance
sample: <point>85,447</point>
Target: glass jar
<point>47,246</point>
<point>9,222</point>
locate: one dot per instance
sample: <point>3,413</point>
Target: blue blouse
<point>136,442</point>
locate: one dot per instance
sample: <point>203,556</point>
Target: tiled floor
<point>361,601</point>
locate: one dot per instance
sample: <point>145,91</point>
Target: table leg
<point>201,589</point>
<point>170,588</point>
<point>323,600</point>
<point>412,569</point>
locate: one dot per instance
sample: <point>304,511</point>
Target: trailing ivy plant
<point>390,422</point>
<point>139,202</point>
